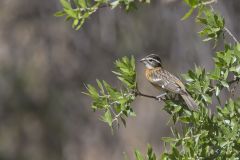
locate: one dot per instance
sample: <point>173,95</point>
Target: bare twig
<point>209,2</point>
<point>99,7</point>
<point>206,3</point>
<point>116,118</point>
<point>231,35</point>
<point>138,93</point>
<point>113,111</point>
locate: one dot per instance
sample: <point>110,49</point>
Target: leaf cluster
<point>149,156</point>
<point>115,103</point>
<point>212,23</point>
<point>209,137</point>
<point>203,135</point>
<point>78,11</point>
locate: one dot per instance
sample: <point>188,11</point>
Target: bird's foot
<point>161,97</point>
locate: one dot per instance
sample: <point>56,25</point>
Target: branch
<point>231,35</point>
<point>138,93</point>
<point>209,2</point>
<point>206,3</point>
<point>117,116</point>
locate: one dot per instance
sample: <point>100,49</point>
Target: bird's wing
<point>167,81</point>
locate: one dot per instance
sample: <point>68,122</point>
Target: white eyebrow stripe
<point>153,60</point>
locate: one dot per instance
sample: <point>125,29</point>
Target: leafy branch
<point>204,135</point>
<point>115,103</point>
<point>78,11</point>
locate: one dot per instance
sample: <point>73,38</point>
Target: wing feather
<point>167,81</point>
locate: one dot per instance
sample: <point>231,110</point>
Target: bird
<point>162,79</point>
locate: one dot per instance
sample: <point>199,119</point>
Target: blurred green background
<point>44,63</point>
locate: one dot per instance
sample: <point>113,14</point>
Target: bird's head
<point>152,61</point>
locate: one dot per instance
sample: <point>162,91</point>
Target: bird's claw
<point>161,97</point>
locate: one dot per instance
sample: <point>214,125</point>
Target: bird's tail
<point>189,101</point>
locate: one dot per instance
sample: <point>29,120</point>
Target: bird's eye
<point>150,60</point>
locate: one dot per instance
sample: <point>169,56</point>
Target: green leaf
<point>60,14</point>
<point>82,3</point>
<point>92,91</point>
<point>150,154</point>
<point>225,84</point>
<point>66,4</point>
<point>133,63</point>
<point>191,3</point>
<point>114,4</point>
<point>188,14</point>
<point>217,90</point>
<point>71,13</point>
<point>80,24</point>
<point>177,109</point>
<point>107,118</point>
<point>207,98</point>
<point>138,155</point>
<point>169,139</point>
<point>100,86</point>
<point>185,119</point>
<point>75,23</point>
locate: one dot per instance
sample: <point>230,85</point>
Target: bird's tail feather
<point>189,101</point>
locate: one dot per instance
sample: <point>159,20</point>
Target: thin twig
<point>206,3</point>
<point>113,111</point>
<point>116,117</point>
<point>209,2</point>
<point>138,93</point>
<point>230,34</point>
<point>144,95</point>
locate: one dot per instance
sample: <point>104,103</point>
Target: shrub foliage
<point>204,135</point>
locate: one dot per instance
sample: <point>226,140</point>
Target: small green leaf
<point>188,14</point>
<point>92,91</point>
<point>100,86</point>
<point>138,155</point>
<point>225,84</point>
<point>169,139</point>
<point>107,118</point>
<point>114,4</point>
<point>185,119</point>
<point>60,14</point>
<point>71,13</point>
<point>217,90</point>
<point>82,3</point>
<point>207,98</point>
<point>66,4</point>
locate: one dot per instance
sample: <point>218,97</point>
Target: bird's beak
<point>142,60</point>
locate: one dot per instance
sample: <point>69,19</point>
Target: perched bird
<point>162,79</point>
